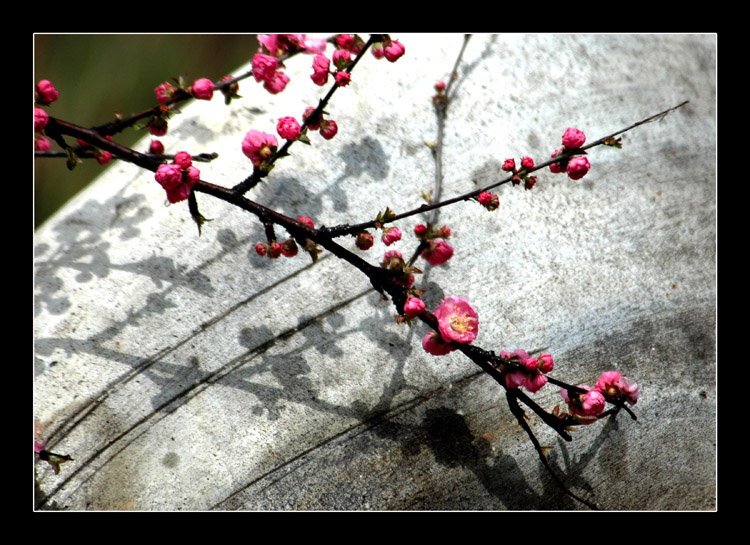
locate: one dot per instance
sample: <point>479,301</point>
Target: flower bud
<point>573,138</point>
<point>578,167</point>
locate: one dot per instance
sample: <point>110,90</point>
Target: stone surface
<point>186,373</point>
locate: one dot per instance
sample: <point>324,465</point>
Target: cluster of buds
<point>576,167</point>
<point>102,157</point>
<point>528,372</point>
<point>178,178</point>
<point>266,64</point>
<point>327,127</point>
<point>438,251</point>
<point>392,50</point>
<point>611,387</point>
<point>521,174</point>
<point>289,248</point>
<point>394,261</point>
<point>44,95</point>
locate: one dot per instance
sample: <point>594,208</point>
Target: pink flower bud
<point>556,167</point>
<point>343,78</point>
<point>531,364</point>
<point>345,41</point>
<point>328,129</point>
<point>394,51</point>
<point>578,167</point>
<point>364,241</point>
<point>529,182</point>
<point>288,128</point>
<point>156,147</point>
<point>457,320</point>
<point>42,144</point>
<point>527,163</point>
<point>444,232</point>
<point>545,363</point>
<point>313,125</point>
<point>277,83</point>
<point>413,307</point>
<point>165,92</point>
<point>158,126</point>
<point>438,253</point>
<point>46,92</point>
<point>40,119</point>
<point>535,382</point>
<point>307,221</point>
<point>264,67</point>
<point>183,160</point>
<point>489,200</point>
<point>290,248</point>
<point>259,146</point>
<point>275,250</point>
<point>434,344</point>
<point>103,157</point>
<point>420,230</point>
<point>261,249</point>
<point>203,89</point>
<point>391,235</point>
<point>584,407</point>
<point>440,86</point>
<point>573,138</point>
<point>168,175</point>
<point>321,66</point>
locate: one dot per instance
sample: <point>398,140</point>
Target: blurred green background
<point>98,74</point>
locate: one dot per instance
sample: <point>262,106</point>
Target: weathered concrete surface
<point>184,372</point>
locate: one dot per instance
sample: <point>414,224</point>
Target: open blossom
<point>46,92</point>
<point>434,344</point>
<point>457,320</point>
<point>203,89</point>
<point>413,307</point>
<point>391,235</point>
<point>438,252</point>
<point>259,146</point>
<point>573,138</point>
<point>288,128</point>
<point>613,386</point>
<point>578,167</point>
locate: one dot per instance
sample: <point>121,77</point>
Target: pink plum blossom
<point>578,167</point>
<point>328,128</point>
<point>573,138</point>
<point>413,307</point>
<point>457,320</point>
<point>584,407</point>
<point>394,51</point>
<point>42,144</point>
<point>177,184</point>
<point>434,344</point>
<point>343,78</point>
<point>364,241</point>
<point>321,66</point>
<point>46,92</point>
<point>556,167</point>
<point>438,252</point>
<point>288,128</point>
<point>156,147</point>
<point>203,89</point>
<point>391,235</point>
<point>41,118</point>
<point>613,386</point>
<point>165,92</point>
<point>259,146</point>
<point>277,83</point>
<point>531,376</point>
<point>264,67</point>
<point>183,160</point>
